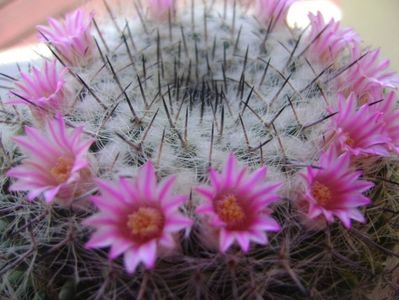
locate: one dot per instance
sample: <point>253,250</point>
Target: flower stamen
<point>145,223</point>
<point>321,193</point>
<point>62,169</point>
<point>349,141</point>
<point>230,211</point>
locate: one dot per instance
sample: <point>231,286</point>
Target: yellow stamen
<point>321,193</point>
<point>349,141</point>
<point>229,210</point>
<point>145,223</point>
<point>62,169</point>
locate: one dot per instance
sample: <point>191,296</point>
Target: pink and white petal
<point>109,190</point>
<point>173,203</point>
<point>239,176</point>
<point>33,149</point>
<point>109,205</point>
<point>130,195</point>
<point>177,223</point>
<point>265,190</point>
<point>79,164</point>
<point>165,188</point>
<point>82,147</point>
<point>243,240</point>
<point>266,223</point>
<point>215,221</point>
<point>328,215</point>
<point>344,217</point>
<point>215,179</point>
<point>363,186</point>
<point>100,219</point>
<point>167,241</point>
<point>118,247</point>
<point>102,238</point>
<point>204,209</point>
<point>259,237</point>
<point>226,239</point>
<point>35,192</point>
<point>146,180</point>
<point>228,171</point>
<point>355,214</point>
<point>148,253</point>
<point>24,185</point>
<point>355,200</point>
<point>256,176</point>
<point>208,193</point>
<point>131,260</point>
<point>314,211</point>
<point>50,194</point>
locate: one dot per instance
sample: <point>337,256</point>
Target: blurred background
<point>377,22</point>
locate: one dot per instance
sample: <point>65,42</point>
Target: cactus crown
<point>188,88</point>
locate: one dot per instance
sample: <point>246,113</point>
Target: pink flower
<point>274,11</point>
<point>328,41</point>
<point>137,217</point>
<point>160,8</point>
<point>358,131</point>
<point>55,163</point>
<point>236,205</point>
<point>366,74</point>
<point>43,90</point>
<point>71,38</point>
<point>389,120</point>
<point>334,189</point>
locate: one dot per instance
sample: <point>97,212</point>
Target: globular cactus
<point>152,136</point>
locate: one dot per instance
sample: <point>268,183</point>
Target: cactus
<point>186,87</point>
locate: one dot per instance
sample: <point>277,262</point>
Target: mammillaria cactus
<point>152,136</point>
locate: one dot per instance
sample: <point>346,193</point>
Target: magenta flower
<point>43,90</point>
<point>71,38</point>
<point>334,189</point>
<point>274,11</point>
<point>389,120</point>
<point>358,131</point>
<point>367,74</point>
<point>236,205</point>
<point>55,162</point>
<point>160,8</point>
<point>137,217</point>
<point>328,41</point>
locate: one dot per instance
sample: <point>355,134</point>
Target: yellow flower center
<point>229,210</point>
<point>62,169</point>
<point>145,223</point>
<point>47,93</point>
<point>321,193</point>
<point>364,99</point>
<point>349,141</point>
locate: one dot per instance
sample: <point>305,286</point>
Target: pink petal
<point>167,241</point>
<point>166,187</point>
<point>118,247</point>
<point>131,260</point>
<point>177,223</point>
<point>50,194</point>
<point>102,238</point>
<point>226,239</point>
<point>146,179</point>
<point>206,192</point>
<point>243,241</point>
<point>174,202</point>
<point>148,253</point>
<point>343,216</point>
